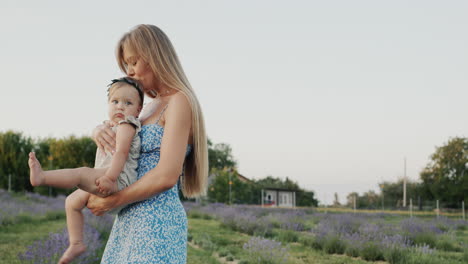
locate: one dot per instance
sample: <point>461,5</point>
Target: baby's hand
<point>106,186</point>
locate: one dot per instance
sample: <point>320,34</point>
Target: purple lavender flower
<point>415,225</point>
<point>263,250</point>
<point>50,249</point>
<point>32,204</point>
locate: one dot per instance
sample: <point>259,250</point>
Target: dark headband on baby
<point>130,81</point>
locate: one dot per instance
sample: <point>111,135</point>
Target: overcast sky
<point>332,94</point>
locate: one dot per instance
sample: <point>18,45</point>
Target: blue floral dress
<point>154,230</point>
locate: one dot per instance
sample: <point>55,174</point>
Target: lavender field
<point>273,235</point>
<point>32,230</point>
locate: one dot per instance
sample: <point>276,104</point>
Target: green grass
<point>225,239</point>
<point>199,256</point>
<point>15,238</point>
<point>213,243</point>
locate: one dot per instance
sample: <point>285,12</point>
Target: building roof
<point>243,178</point>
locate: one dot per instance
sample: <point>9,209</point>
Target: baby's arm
<point>124,135</point>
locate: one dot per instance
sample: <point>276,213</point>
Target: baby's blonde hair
<point>155,48</point>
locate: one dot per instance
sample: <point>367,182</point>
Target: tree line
<point>70,152</point>
<point>224,176</point>
<point>444,179</point>
<point>74,152</point>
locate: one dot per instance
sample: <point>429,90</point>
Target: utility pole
<point>9,182</point>
<point>262,198</point>
<point>383,200</point>
<point>230,184</point>
<point>404,186</point>
<point>411,207</point>
<point>354,203</point>
<point>463,209</point>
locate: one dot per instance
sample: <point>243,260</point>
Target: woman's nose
<point>130,71</point>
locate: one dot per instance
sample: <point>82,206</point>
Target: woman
<point>153,228</point>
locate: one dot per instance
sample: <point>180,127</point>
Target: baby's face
<point>123,101</point>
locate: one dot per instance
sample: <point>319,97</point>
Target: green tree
<point>272,182</point>
<point>72,152</point>
<point>306,198</point>
<point>368,200</point>
<point>336,200</point>
<point>350,199</point>
<point>220,156</point>
<point>14,154</point>
<point>445,177</point>
<point>218,191</point>
<point>393,193</point>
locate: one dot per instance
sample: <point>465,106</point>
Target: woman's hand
<point>104,137</point>
<point>99,205</point>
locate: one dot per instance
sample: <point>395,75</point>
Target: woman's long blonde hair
<point>155,48</point>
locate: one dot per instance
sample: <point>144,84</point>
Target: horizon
<point>332,95</point>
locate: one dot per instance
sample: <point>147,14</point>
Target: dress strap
<point>160,115</point>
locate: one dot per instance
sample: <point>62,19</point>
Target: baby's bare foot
<point>106,186</point>
<point>72,252</point>
<point>36,175</point>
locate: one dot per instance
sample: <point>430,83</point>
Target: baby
<point>112,172</point>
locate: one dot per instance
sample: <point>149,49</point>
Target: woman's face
<point>139,70</point>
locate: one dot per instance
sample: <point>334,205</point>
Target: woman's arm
<point>164,176</point>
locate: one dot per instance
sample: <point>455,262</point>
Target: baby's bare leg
<point>88,180</point>
<point>74,205</point>
<point>83,178</point>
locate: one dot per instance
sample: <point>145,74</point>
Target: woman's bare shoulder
<point>180,102</point>
<point>178,97</point>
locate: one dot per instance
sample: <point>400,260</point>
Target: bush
<point>223,252</point>
<point>204,241</point>
<point>307,240</point>
<point>422,259</point>
<point>24,218</point>
<point>287,236</point>
<point>465,255</point>
<point>51,248</point>
<point>207,216</point>
<point>425,238</point>
<point>194,214</point>
<point>317,243</point>
<point>395,255</point>
<point>55,215</point>
<point>265,251</point>
<point>199,215</point>
<point>371,252</point>
<point>446,245</point>
<point>230,257</point>
<point>352,251</point>
<point>334,245</point>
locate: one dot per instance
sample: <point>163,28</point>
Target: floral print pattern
<point>154,230</point>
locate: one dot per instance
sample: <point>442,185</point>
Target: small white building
<point>278,198</point>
